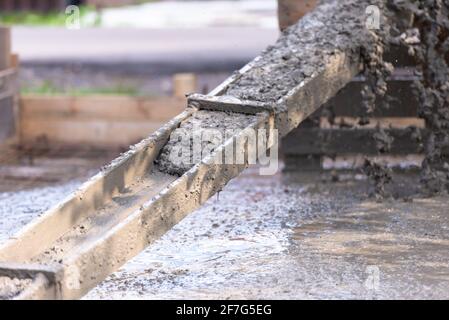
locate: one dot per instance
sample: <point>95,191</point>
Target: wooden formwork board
<point>8,107</point>
<point>397,112</point>
<point>93,120</point>
<point>318,141</point>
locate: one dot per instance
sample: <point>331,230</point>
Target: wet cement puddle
<point>272,237</point>
<point>281,237</point>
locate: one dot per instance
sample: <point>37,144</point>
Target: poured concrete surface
<point>269,237</point>
<point>281,237</point>
<point>19,208</point>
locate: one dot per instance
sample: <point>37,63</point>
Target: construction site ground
<point>289,236</point>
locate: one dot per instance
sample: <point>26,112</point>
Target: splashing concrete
<point>291,237</point>
<point>424,30</point>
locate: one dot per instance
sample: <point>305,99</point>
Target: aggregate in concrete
<point>304,49</point>
<point>292,238</point>
<point>211,128</point>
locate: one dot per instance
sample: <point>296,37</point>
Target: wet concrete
<point>305,49</point>
<point>283,237</point>
<point>10,288</point>
<point>208,129</point>
<point>296,237</point>
<point>424,31</point>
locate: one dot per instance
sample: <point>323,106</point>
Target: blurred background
<point>80,84</point>
<point>134,47</point>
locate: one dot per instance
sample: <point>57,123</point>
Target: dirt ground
<point>297,236</point>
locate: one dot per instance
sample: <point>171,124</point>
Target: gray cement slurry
<point>296,237</point>
<point>303,50</point>
<point>433,55</point>
<point>423,28</point>
<point>10,288</point>
<point>209,127</point>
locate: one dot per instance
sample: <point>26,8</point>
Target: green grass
<point>47,88</point>
<point>42,19</point>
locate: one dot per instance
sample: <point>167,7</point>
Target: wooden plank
<point>5,47</point>
<point>102,253</point>
<point>317,141</point>
<point>7,124</point>
<point>183,84</point>
<point>101,133</point>
<point>290,11</point>
<point>372,123</point>
<point>400,101</point>
<point>295,163</point>
<point>100,121</point>
<point>7,5</point>
<point>100,107</point>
